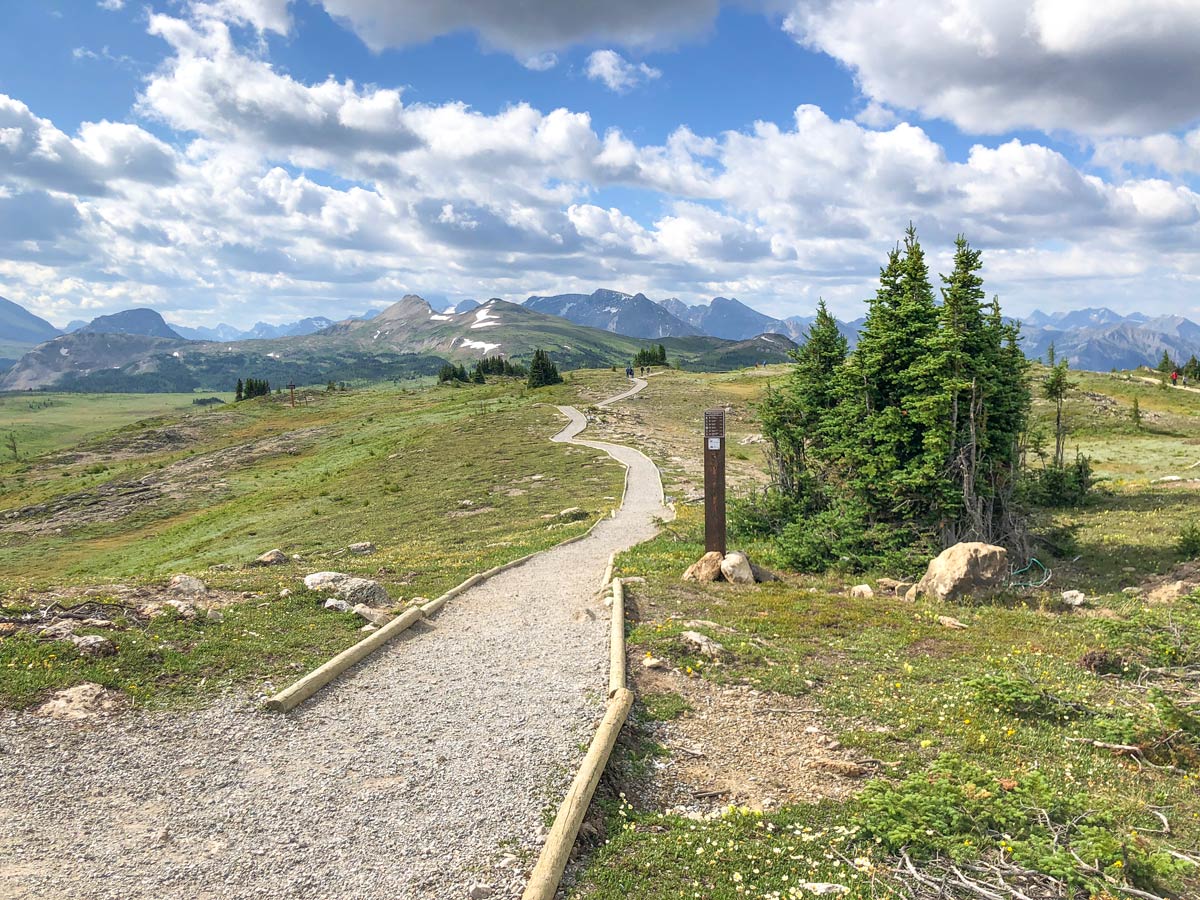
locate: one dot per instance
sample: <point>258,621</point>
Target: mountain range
<point>602,328</point>
<point>408,338</point>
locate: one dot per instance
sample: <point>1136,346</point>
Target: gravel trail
<point>408,777</point>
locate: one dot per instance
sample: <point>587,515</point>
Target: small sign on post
<point>714,481</point>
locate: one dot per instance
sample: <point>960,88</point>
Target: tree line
<point>541,370</point>
<point>651,356</point>
<point>251,387</point>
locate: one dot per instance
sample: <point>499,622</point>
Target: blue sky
<point>236,160</point>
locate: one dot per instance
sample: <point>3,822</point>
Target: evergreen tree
<point>1050,354</point>
<point>542,370</point>
<point>798,414</point>
<point>1136,413</point>
<point>477,375</point>
<point>1055,388</point>
<point>1165,365</point>
<point>1191,369</point>
<point>238,395</point>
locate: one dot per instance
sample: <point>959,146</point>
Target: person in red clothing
<point>1174,379</point>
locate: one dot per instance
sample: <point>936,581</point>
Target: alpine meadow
<point>692,451</point>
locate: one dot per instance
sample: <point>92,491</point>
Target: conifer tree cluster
<point>498,365</point>
<point>651,356</point>
<point>451,372</point>
<point>909,444</point>
<point>251,387</point>
<point>542,370</point>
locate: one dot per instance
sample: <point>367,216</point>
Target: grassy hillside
<point>831,735</point>
<point>445,481</point>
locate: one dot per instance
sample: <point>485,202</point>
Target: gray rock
<point>185,609</point>
<point>274,557</point>
<point>1132,591</point>
<point>363,590</point>
<point>573,514</point>
<point>57,631</point>
<point>479,892</point>
<point>338,604</point>
<point>362,548</point>
<point>93,645</point>
<point>187,586</point>
<point>862,592</point>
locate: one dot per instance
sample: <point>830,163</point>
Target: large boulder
<point>274,557</point>
<point>707,568</point>
<point>736,568</point>
<point>364,591</point>
<point>971,569</point>
<point>187,586</point>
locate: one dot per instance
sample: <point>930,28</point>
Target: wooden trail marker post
<point>292,388</point>
<point>714,481</point>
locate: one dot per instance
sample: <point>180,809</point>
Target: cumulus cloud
<point>528,28</point>
<point>326,197</point>
<point>617,73</point>
<point>111,5</point>
<point>991,66</point>
<point>1174,154</point>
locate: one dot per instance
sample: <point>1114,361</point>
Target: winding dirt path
<point>408,777</point>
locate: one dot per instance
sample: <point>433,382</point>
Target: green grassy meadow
<point>982,740</point>
<point>445,481</point>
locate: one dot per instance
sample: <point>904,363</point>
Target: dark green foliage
<point>253,387</point>
<point>651,356</point>
<point>238,394</point>
<point>1189,541</point>
<point>451,372</point>
<point>498,365</point>
<point>909,444</point>
<point>542,370</point>
<point>1136,413</point>
<point>1165,365</point>
<point>477,375</point>
<point>1191,369</point>
<point>1059,486</point>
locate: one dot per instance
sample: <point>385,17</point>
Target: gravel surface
<point>423,771</point>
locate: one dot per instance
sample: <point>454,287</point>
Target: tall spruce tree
<point>542,370</point>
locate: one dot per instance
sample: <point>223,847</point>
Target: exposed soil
<point>737,745</point>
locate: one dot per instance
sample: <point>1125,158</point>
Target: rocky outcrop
<point>187,586</point>
<point>274,557</point>
<point>971,569</point>
<point>735,568</point>
<point>82,701</point>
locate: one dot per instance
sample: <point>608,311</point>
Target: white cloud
<point>1174,154</point>
<point>617,73</point>
<point>294,198</point>
<point>111,5</point>
<point>262,15</point>
<point>541,62</point>
<point>991,66</point>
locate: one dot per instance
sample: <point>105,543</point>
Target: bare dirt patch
<point>737,745</point>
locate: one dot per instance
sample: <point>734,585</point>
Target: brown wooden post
<point>714,481</point>
<point>292,388</point>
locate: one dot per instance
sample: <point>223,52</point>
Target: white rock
<point>337,603</point>
<point>284,593</point>
<point>80,702</point>
<point>1074,598</point>
<point>736,568</point>
<point>701,643</point>
<point>324,581</point>
<point>362,548</point>
<point>185,609</point>
<point>216,616</point>
<point>966,569</point>
<point>862,592</point>
<point>56,631</point>
<point>187,586</point>
<point>653,662</point>
<point>1132,591</point>
<point>374,616</point>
